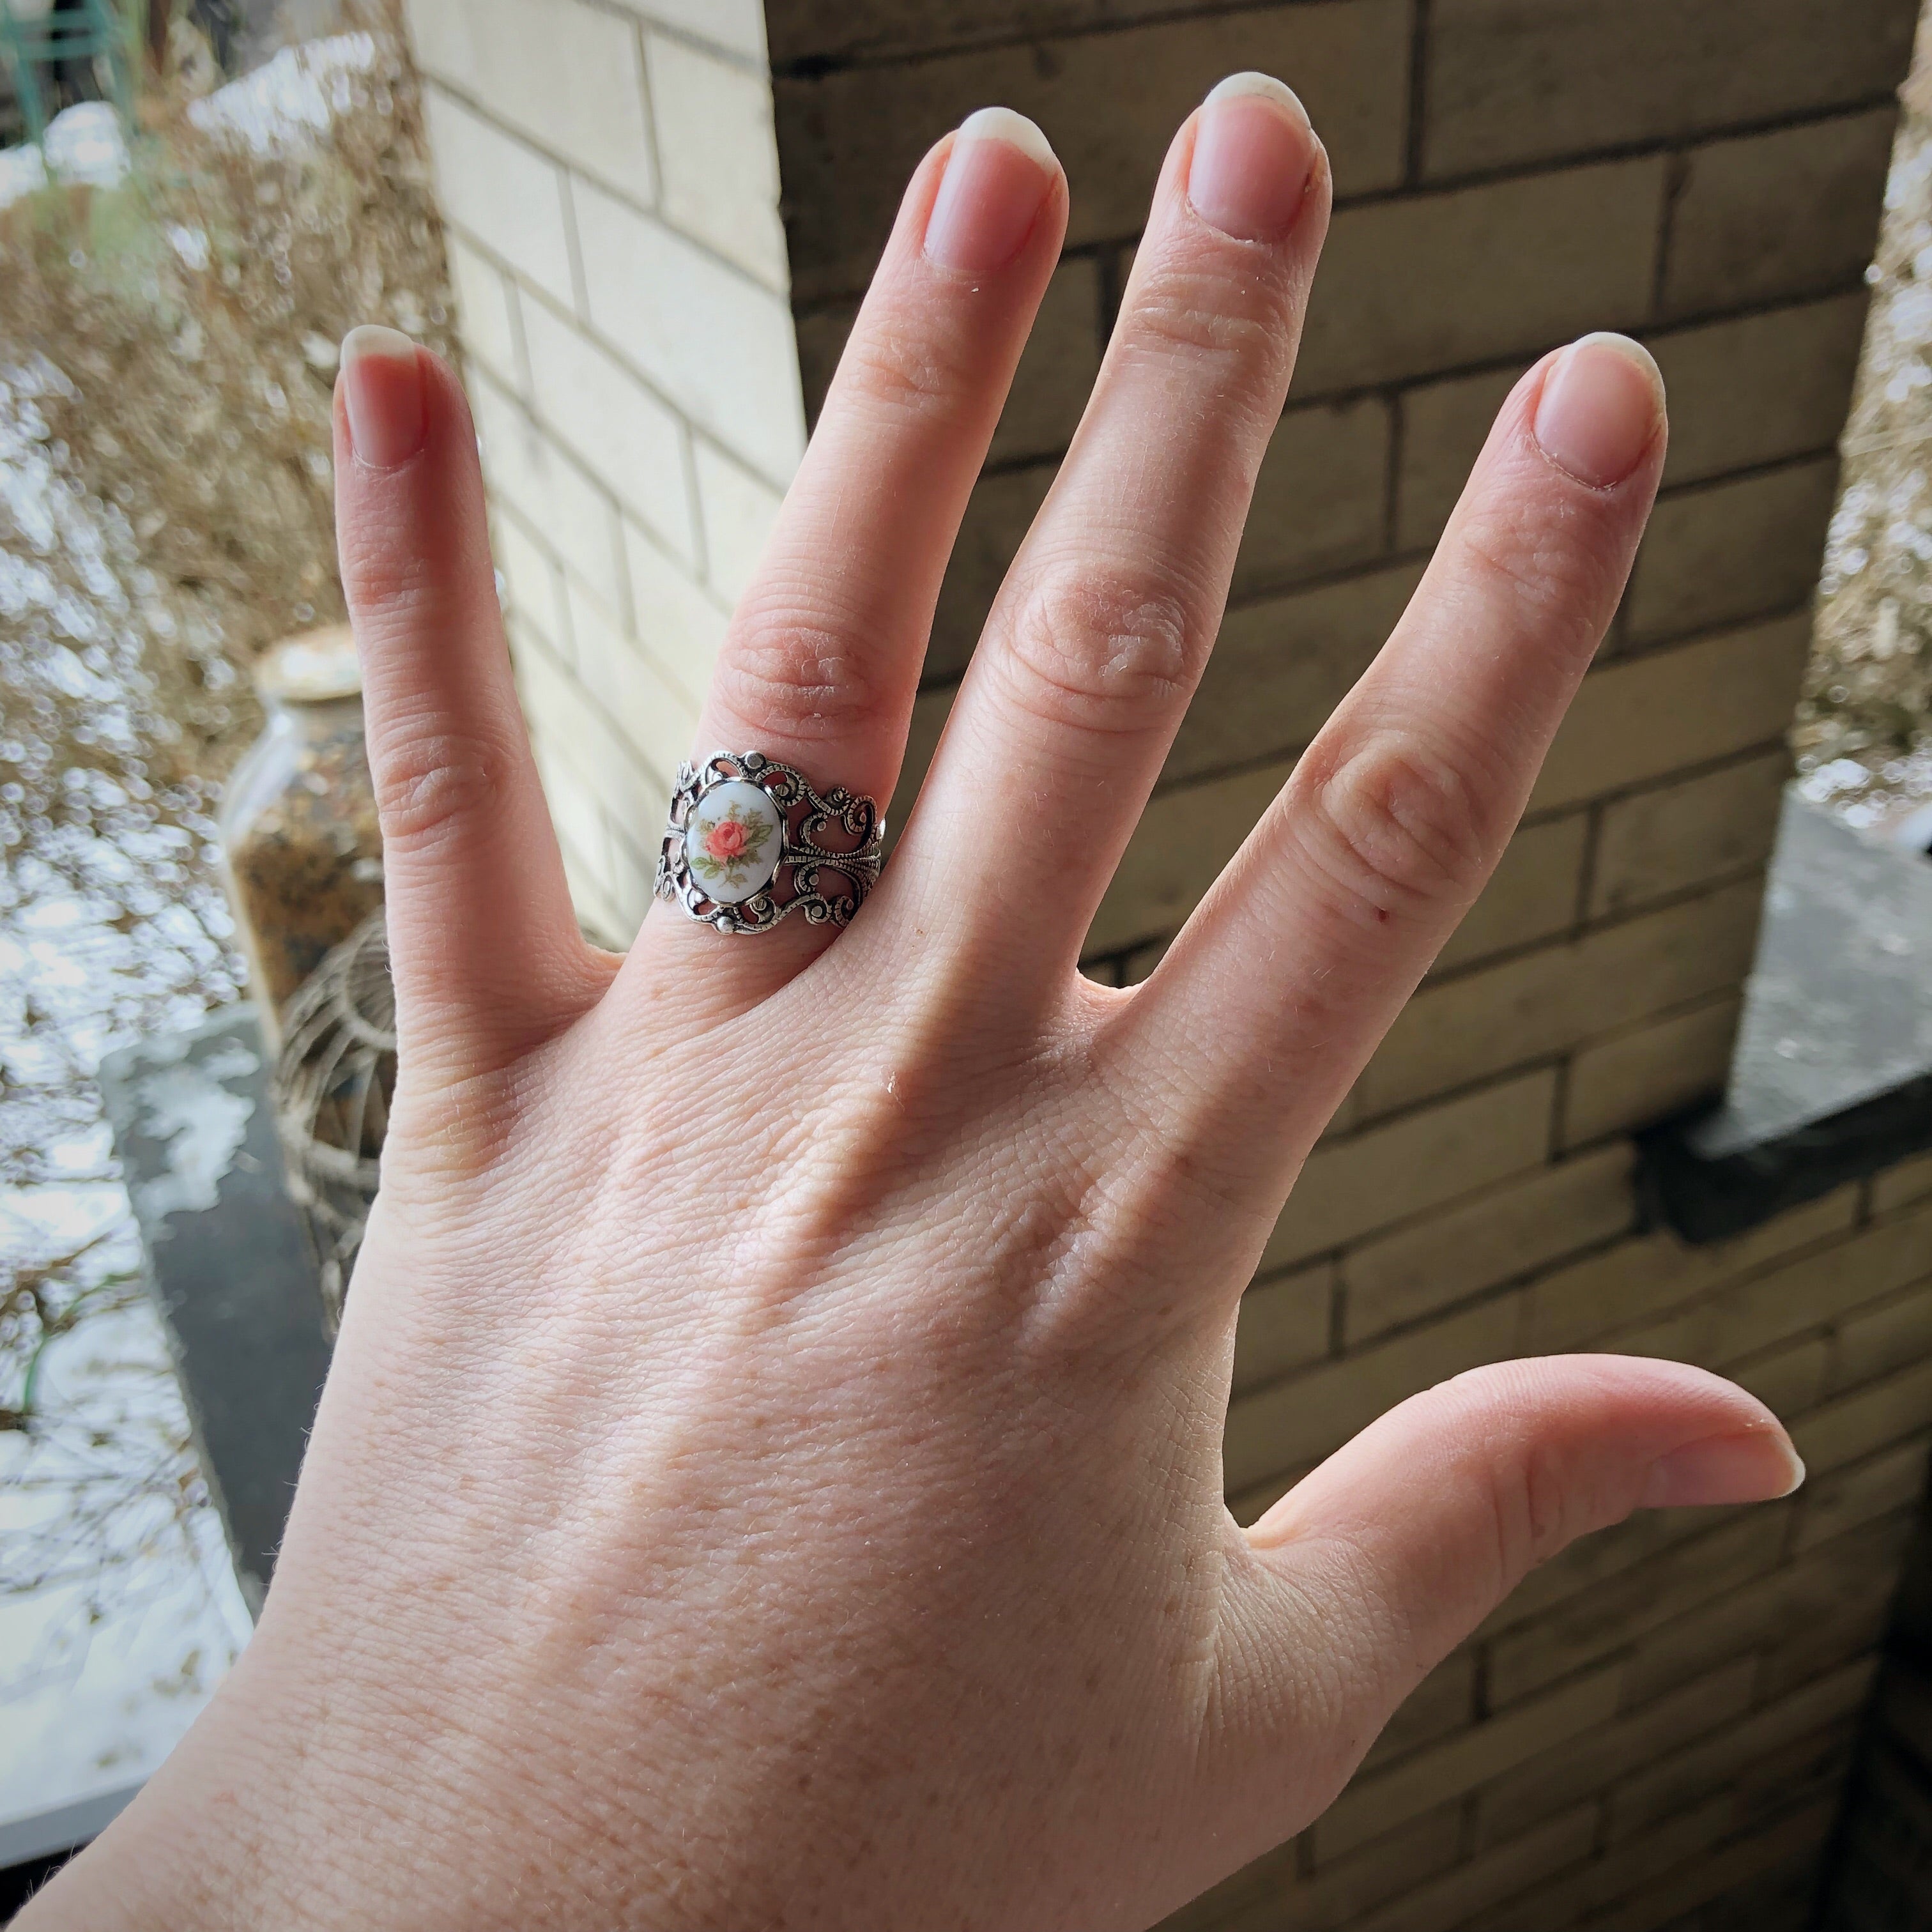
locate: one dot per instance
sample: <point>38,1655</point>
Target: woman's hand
<point>771,1471</point>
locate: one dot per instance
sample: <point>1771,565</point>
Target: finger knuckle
<point>1553,570</point>
<point>899,365</point>
<point>1399,828</point>
<point>1112,653</point>
<point>1235,325</point>
<point>431,778</point>
<point>791,671</point>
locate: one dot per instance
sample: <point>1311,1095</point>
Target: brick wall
<point>608,176</point>
<point>1653,1732</point>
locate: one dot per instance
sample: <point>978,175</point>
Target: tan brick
<point>1577,1306</point>
<point>1723,552</point>
<point>1499,1874</point>
<point>1843,1575</point>
<point>1351,1187</point>
<point>1290,1423</point>
<point>1829,1506</point>
<point>1372,1806</point>
<point>1444,428</point>
<point>1592,1624</point>
<point>627,438</point>
<point>1573,1771</point>
<point>1511,81</point>
<point>500,190</point>
<point>1416,286</point>
<point>1442,1704</point>
<point>1867,1419</point>
<point>1283,1326</point>
<point>1648,717</point>
<point>1791,1846</point>
<point>1875,1343</point>
<point>1056,372</point>
<point>1446,1257</point>
<point>1654,1793</point>
<point>1001,513</point>
<point>1655,843</point>
<point>1649,1072</point>
<point>1805,1294</point>
<point>1531,895</point>
<point>720,155</point>
<point>1759,388</point>
<point>1589,1564</point>
<point>1783,213</point>
<point>1109,102</point>
<point>1183,839</point>
<point>1280,667</point>
<point>1273,1899</point>
<point>1787,1379</point>
<point>1546,1002</point>
<point>1317,502</point>
<point>930,710</point>
<point>568,77</point>
<point>1822,1639</point>
<point>1900,1186</point>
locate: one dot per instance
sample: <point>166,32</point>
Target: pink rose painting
<point>723,850</point>
<point>725,840</point>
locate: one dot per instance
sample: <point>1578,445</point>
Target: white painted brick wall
<point>608,174</point>
<point>720,156</point>
<point>719,344</point>
<point>567,75</point>
<point>502,190</point>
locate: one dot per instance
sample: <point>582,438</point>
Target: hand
<point>771,1470</point>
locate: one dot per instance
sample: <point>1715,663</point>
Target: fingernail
<point>1254,152</point>
<point>1746,1468</point>
<point>1601,406</point>
<point>997,177</point>
<point>382,391</point>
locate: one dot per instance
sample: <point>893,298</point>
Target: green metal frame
<point>99,34</point>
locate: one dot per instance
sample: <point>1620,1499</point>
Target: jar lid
<point>311,669</point>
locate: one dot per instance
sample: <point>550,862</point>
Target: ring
<point>740,820</point>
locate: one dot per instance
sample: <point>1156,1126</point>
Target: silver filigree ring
<point>742,848</point>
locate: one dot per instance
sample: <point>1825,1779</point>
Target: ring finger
<point>820,664</point>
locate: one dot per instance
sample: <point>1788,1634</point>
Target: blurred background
<point>1669,1090</point>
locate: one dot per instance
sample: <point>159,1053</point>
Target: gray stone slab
<point>229,1265</point>
<point>1838,1010</point>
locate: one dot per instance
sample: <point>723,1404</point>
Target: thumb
<point>1405,1539</point>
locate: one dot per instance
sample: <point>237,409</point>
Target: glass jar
<point>301,849</point>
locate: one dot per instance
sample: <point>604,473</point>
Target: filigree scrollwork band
<point>743,827</point>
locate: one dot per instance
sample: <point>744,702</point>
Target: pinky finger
<point>485,951</point>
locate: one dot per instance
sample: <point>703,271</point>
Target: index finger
<point>1294,965</point>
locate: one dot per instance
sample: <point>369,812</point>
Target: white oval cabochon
<point>733,841</point>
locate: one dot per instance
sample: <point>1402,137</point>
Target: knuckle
<point>1109,653</point>
<point>1552,571</point>
<point>1199,312</point>
<point>787,670</point>
<point>1398,828</point>
<point>431,778</point>
<point>897,365</point>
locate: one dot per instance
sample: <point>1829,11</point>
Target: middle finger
<point>1100,632</point>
